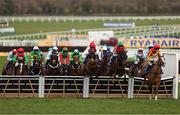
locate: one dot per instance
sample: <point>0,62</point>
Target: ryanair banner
<point>144,42</point>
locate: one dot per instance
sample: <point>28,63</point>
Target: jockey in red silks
<point>64,56</point>
<point>20,56</point>
<point>151,56</point>
<point>119,48</point>
<point>91,48</point>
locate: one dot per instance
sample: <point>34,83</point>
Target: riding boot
<point>85,60</point>
<point>46,64</point>
<point>111,60</point>
<point>132,70</point>
<point>147,70</point>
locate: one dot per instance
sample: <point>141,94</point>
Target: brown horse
<point>36,68</point>
<point>91,67</point>
<point>8,70</point>
<point>154,76</point>
<point>104,68</point>
<point>20,67</point>
<point>118,65</point>
<point>75,66</point>
<point>53,67</point>
<point>138,71</point>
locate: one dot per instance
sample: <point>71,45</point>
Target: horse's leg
<point>157,88</point>
<point>4,71</point>
<point>124,78</point>
<point>150,90</point>
<point>97,72</point>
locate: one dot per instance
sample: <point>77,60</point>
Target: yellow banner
<point>144,42</point>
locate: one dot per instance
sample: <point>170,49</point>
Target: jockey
<point>76,52</point>
<point>117,49</point>
<point>91,48</point>
<point>10,56</point>
<point>64,56</point>
<point>20,54</point>
<point>51,51</point>
<point>36,52</point>
<point>139,56</point>
<point>153,53</point>
<point>104,51</point>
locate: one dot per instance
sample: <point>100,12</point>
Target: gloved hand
<point>136,62</point>
<point>16,64</point>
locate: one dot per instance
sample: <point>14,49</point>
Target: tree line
<point>89,7</point>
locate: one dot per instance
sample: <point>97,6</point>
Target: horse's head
<point>159,60</point>
<point>53,60</point>
<point>92,60</point>
<point>106,58</point>
<point>75,63</point>
<point>92,57</point>
<point>20,59</point>
<point>35,57</point>
<point>120,58</point>
<point>76,59</point>
<point>36,62</point>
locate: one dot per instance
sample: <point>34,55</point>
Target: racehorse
<point>104,69</point>
<point>53,67</point>
<point>8,70</point>
<point>36,68</point>
<point>65,69</point>
<point>118,65</point>
<point>154,76</point>
<point>20,67</point>
<point>137,71</point>
<point>90,68</point>
<point>75,66</point>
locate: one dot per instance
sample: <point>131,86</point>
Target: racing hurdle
<point>169,81</point>
<point>85,87</point>
<point>82,87</point>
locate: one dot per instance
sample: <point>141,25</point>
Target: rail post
<point>130,87</point>
<point>175,88</point>
<point>86,87</point>
<point>41,87</point>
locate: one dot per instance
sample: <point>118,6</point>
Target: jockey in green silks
<point>76,52</point>
<point>36,52</point>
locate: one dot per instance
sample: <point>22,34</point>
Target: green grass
<point>36,27</point>
<point>87,106</point>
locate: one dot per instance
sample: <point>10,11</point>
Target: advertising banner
<point>119,24</point>
<point>144,42</point>
<point>7,30</point>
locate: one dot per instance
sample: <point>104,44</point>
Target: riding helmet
<point>36,48</point>
<point>21,50</point>
<point>120,43</point>
<point>156,46</point>
<point>92,45</point>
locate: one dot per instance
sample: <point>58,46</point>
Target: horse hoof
<point>156,98</point>
<point>150,97</point>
